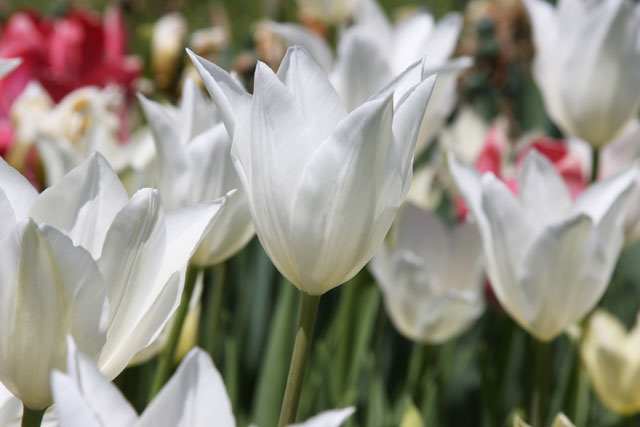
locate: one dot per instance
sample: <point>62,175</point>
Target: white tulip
<point>372,52</point>
<point>431,277</point>
<point>586,64</point>
<point>610,354</point>
<point>92,264</point>
<point>167,40</point>
<point>323,185</point>
<point>194,396</point>
<point>194,165</point>
<point>549,259</point>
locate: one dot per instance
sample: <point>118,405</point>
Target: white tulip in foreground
<point>323,184</point>
<point>194,397</point>
<point>549,259</point>
<point>586,64</point>
<point>610,354</point>
<point>194,165</point>
<point>82,259</point>
<point>374,51</point>
<point>431,277</point>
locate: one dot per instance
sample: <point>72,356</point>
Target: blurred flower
<point>194,396</point>
<point>66,53</point>
<point>194,165</point>
<point>431,277</point>
<point>93,264</point>
<point>167,44</point>
<point>373,52</point>
<point>327,11</point>
<point>587,57</point>
<point>323,184</point>
<point>541,249</point>
<point>610,354</point>
<point>466,136</point>
<point>560,420</point>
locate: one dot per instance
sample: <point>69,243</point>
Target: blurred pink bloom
<point>66,53</point>
<point>496,150</point>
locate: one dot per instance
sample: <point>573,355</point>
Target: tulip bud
<point>610,354</point>
<point>167,42</point>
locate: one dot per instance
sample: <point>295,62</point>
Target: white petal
<point>596,200</point>
<point>543,192</point>
<point>407,121</point>
<point>316,46</point>
<point>18,191</point>
<point>340,214</point>
<point>361,68</point>
<point>552,273</point>
<point>232,100</point>
<point>85,395</point>
<point>317,100</point>
<point>42,272</point>
<point>509,234</point>
<point>443,39</point>
<point>213,175</point>
<point>331,418</point>
<point>411,40</point>
<point>133,254</point>
<point>195,396</point>
<point>173,164</point>
<point>59,157</point>
<point>83,204</point>
<point>10,408</point>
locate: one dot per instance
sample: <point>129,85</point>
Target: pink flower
<point>66,53</point>
<point>496,151</point>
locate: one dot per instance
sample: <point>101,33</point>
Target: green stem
<point>582,395</point>
<point>301,350</point>
<point>166,359</point>
<point>31,418</point>
<point>423,366</point>
<point>214,305</point>
<point>541,381</point>
<point>595,163</point>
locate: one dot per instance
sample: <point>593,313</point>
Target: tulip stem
<point>301,350</point>
<point>31,418</point>
<point>595,163</point>
<point>214,305</point>
<point>165,363</point>
<point>541,381</point>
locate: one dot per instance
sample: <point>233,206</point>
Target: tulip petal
<point>317,100</point>
<point>509,232</point>
<point>351,76</point>
<point>298,35</point>
<point>18,191</point>
<point>407,121</point>
<point>132,255</point>
<point>8,65</point>
<point>552,272</point>
<point>543,192</point>
<point>213,175</point>
<point>84,397</point>
<point>339,199</point>
<point>173,164</point>
<point>442,40</point>
<point>230,97</point>
<point>411,40</point>
<point>195,396</point>
<point>50,288</point>
<point>597,199</point>
<point>83,204</point>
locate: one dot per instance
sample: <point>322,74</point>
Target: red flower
<point>496,148</point>
<point>65,53</point>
